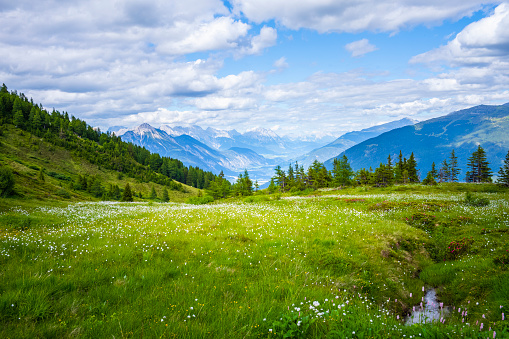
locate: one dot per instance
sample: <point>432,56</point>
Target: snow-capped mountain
<point>193,152</point>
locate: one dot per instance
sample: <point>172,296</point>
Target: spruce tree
<point>128,195</point>
<point>453,167</point>
<point>444,172</point>
<point>478,165</point>
<point>503,173</point>
<point>153,194</point>
<point>412,169</point>
<point>166,197</point>
<point>433,171</point>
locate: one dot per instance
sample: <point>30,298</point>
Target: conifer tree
<point>153,194</point>
<point>412,169</point>
<point>429,180</point>
<point>453,167</point>
<point>503,173</point>
<point>398,170</point>
<point>166,197</point>
<point>444,172</point>
<point>342,171</point>
<point>127,196</point>
<point>478,165</point>
<point>433,171</point>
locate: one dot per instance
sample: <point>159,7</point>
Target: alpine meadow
<point>254,169</point>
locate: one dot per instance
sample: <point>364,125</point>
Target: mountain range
<point>433,140</point>
<point>348,140</point>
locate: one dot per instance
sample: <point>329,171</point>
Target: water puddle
<point>429,312</point>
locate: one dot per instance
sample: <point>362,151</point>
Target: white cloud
<point>360,47</point>
<point>480,43</point>
<point>281,63</point>
<point>266,38</point>
<point>355,16</point>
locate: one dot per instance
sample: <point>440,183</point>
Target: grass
<point>344,263</point>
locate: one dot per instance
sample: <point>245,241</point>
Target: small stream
<point>430,311</point>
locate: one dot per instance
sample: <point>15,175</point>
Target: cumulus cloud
<point>355,16</point>
<point>360,47</point>
<point>280,63</point>
<point>480,43</point>
<point>266,38</point>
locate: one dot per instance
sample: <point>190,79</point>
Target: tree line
<point>103,149</point>
<point>403,171</point>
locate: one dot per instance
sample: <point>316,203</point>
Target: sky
<point>307,67</point>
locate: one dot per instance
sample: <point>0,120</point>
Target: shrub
<point>472,200</point>
<point>63,193</point>
<point>458,247</point>
<point>199,200</point>
<point>6,182</point>
<point>423,221</point>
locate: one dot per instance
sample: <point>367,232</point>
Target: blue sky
<point>309,67</point>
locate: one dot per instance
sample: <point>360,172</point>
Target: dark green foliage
<point>244,186</point>
<point>472,200</point>
<point>6,182</point>
<point>429,180</point>
<point>444,173</point>
<point>59,176</point>
<point>503,173</point>
<point>478,166</point>
<point>63,193</point>
<point>40,177</point>
<point>423,221</point>
<point>166,197</point>
<point>153,193</point>
<point>453,167</point>
<point>342,172</point>
<point>127,195</point>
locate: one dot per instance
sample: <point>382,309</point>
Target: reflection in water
<point>430,311</point>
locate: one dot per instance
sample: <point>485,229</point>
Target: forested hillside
<point>101,149</point>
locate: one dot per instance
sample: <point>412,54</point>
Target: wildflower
<point>410,294</point>
<point>503,316</point>
<point>482,324</point>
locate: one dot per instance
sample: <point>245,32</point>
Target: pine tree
<point>127,196</point>
<point>453,167</point>
<point>166,197</point>
<point>429,180</point>
<point>433,171</point>
<point>503,173</point>
<point>478,165</point>
<point>153,194</point>
<point>412,169</point>
<point>398,170</point>
<point>444,173</point>
<point>342,172</point>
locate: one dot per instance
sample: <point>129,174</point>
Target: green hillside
<point>26,155</point>
<point>52,156</point>
<point>433,140</point>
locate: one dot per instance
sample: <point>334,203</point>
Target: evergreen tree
<point>280,178</point>
<point>429,180</point>
<point>6,182</point>
<point>19,120</point>
<point>153,194</point>
<point>444,173</point>
<point>478,165</point>
<point>342,172</point>
<point>503,173</point>
<point>127,196</point>
<point>166,197</point>
<point>453,167</point>
<point>272,186</point>
<point>412,169</point>
<point>96,188</point>
<point>256,186</point>
<point>398,170</point>
<point>433,171</point>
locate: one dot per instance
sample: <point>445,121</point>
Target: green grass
<point>325,265</point>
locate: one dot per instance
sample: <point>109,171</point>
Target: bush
<point>6,182</point>
<point>63,193</point>
<point>199,200</point>
<point>472,200</point>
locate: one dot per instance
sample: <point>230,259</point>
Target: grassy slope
<point>19,150</point>
<point>255,269</point>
